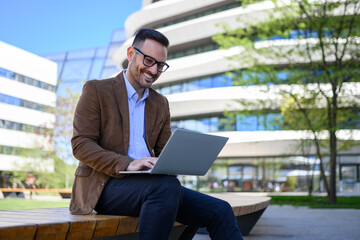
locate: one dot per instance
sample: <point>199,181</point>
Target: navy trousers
<point>159,200</point>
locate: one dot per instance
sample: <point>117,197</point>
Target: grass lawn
<point>20,203</point>
<point>316,202</point>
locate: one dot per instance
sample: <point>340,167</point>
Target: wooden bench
<point>65,193</point>
<point>58,223</point>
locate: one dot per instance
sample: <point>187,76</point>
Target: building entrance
<point>349,177</point>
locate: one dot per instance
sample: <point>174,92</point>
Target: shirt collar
<point>131,90</point>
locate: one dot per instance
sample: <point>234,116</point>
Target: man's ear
<point>130,53</point>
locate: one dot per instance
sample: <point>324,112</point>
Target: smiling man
<point>121,124</point>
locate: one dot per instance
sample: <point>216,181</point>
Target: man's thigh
<point>125,196</point>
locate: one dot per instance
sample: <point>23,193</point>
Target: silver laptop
<point>186,153</point>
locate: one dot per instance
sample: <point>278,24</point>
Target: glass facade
<point>275,174</point>
<point>215,81</point>
<point>272,174</point>
<point>255,122</point>
<point>193,50</point>
<point>77,66</point>
<point>244,77</point>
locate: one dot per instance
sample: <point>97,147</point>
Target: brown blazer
<point>101,137</point>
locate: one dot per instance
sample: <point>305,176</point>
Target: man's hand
<point>142,164</point>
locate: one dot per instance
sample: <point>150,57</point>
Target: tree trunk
<point>333,153</point>
<point>322,169</point>
<point>332,113</point>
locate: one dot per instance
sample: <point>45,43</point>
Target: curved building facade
<point>260,155</point>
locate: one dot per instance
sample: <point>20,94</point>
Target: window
<point>27,80</point>
<point>23,103</point>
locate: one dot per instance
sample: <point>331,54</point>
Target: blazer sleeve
<point>86,136</point>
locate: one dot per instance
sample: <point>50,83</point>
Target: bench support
<point>245,223</point>
<point>248,221</point>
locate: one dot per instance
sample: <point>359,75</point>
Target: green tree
<point>41,160</point>
<point>306,53</point>
<point>50,159</point>
<point>65,108</point>
<point>291,183</point>
<point>49,171</point>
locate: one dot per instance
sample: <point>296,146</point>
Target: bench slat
<point>57,231</point>
<point>106,227</point>
<point>81,230</point>
<point>128,225</point>
<point>18,232</point>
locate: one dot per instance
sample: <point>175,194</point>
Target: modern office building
<point>259,156</point>
<point>27,99</point>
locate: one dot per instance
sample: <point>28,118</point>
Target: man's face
<point>139,75</point>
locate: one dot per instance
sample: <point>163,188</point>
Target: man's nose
<point>153,69</point>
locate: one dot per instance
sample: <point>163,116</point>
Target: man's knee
<point>167,185</point>
<point>223,210</point>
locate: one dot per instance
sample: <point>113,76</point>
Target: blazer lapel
<point>123,105</point>
<point>150,117</point>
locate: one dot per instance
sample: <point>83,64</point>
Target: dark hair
<point>147,33</point>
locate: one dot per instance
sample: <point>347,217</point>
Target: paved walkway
<point>300,223</point>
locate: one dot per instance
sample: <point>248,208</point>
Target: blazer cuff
<point>123,164</point>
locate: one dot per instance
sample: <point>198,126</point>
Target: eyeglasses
<point>150,61</point>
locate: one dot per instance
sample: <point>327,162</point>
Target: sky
<point>48,26</point>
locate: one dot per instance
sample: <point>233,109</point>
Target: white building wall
<point>29,65</point>
<point>27,92</point>
<point>26,116</point>
<point>166,9</point>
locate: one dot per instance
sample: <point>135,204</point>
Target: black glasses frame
<point>161,66</point>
